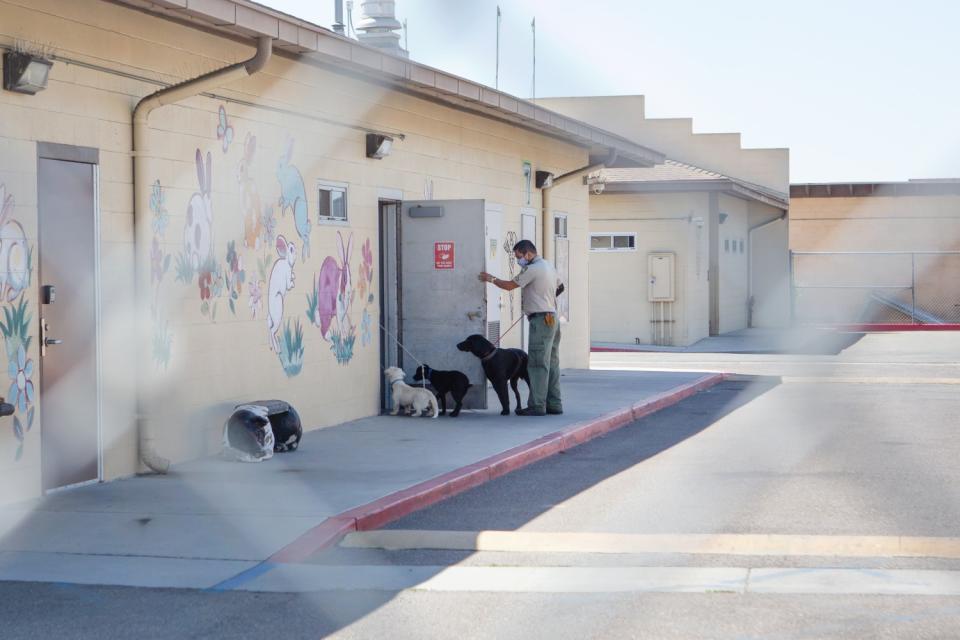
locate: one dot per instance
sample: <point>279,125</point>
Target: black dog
<point>453,382</point>
<point>499,365</point>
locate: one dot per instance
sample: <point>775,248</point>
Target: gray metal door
<point>441,299</point>
<point>68,370</point>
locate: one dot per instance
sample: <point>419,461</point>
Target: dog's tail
<point>434,405</point>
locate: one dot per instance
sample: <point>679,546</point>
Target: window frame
<point>331,186</point>
<point>613,248</point>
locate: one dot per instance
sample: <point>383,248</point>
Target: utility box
<point>662,270</point>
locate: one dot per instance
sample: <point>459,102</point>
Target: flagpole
<point>533,27</point>
<point>497,76</point>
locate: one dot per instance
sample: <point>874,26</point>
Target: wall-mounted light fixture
<point>24,72</point>
<point>544,179</point>
<point>723,218</point>
<point>378,146</point>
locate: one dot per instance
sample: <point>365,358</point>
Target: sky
<point>858,90</point>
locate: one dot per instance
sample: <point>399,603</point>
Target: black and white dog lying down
<point>455,383</point>
<point>500,366</point>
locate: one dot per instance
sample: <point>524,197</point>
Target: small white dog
<point>416,398</point>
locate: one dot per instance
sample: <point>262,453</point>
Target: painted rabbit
<point>198,231</point>
<point>345,290</point>
<point>250,200</point>
<point>293,195</point>
<point>281,281</point>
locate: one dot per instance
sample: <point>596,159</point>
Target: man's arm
<point>506,285</point>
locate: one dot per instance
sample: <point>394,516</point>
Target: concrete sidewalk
<point>211,519</point>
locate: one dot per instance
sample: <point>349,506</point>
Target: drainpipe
<point>546,248</point>
<point>141,217</point>
<point>756,227</point>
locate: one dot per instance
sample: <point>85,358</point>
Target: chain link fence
<point>883,287</point>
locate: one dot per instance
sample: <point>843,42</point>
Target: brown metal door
<point>68,370</point>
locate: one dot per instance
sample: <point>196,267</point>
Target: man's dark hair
<point>525,246</point>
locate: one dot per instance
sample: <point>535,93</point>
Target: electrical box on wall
<point>662,270</point>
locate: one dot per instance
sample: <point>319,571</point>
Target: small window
<point>726,245</point>
<point>332,206</point>
<point>741,246</point>
<point>560,226</point>
<point>613,241</point>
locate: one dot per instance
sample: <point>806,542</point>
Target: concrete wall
<point>876,223</point>
<point>719,152</point>
<point>207,354</point>
<point>619,308</point>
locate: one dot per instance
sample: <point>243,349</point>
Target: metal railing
<point>881,287</point>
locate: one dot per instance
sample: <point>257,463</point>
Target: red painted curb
<point>406,501</point>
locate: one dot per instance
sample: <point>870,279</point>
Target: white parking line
<point>621,543</point>
<point>313,578</point>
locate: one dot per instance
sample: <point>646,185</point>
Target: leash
<point>497,343</point>
<point>423,382</point>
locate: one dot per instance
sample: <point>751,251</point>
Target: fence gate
<point>875,287</point>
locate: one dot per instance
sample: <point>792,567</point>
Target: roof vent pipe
<point>338,25</point>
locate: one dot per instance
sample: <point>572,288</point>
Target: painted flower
<point>365,322</point>
<point>256,293</point>
<point>156,261</point>
<point>205,281</point>
<point>20,371</point>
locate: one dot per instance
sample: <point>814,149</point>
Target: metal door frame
<point>395,197</point>
<point>91,156</point>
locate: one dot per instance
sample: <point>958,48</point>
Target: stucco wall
<point>206,354</point>
<point>619,308</point>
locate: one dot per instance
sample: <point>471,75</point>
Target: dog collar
<point>488,356</point>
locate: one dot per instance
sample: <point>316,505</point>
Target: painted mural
<point>329,304</point>
<point>224,130</point>
<point>159,266</point>
<point>260,262</point>
<point>293,196</point>
<point>16,270</point>
<point>282,279</point>
<point>508,244</point>
<point>366,293</point>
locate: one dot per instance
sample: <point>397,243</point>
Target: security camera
<point>597,188</point>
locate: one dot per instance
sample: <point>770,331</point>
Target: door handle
<point>44,340</point>
<point>474,315</point>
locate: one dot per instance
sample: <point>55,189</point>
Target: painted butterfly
<point>224,130</point>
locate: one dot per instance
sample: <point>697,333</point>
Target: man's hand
<point>485,277</point>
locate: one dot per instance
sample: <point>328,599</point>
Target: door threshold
<point>67,487</point>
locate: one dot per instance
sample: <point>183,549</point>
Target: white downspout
<point>546,224</point>
<point>141,216</point>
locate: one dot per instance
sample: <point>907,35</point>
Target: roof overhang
<point>876,189</point>
<point>246,20</point>
<point>730,187</point>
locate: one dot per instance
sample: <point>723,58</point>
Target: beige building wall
<point>208,356</point>
<point>876,223</point>
<point>721,152</point>
<point>619,308</point>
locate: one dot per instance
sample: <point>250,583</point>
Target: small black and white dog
<point>455,383</point>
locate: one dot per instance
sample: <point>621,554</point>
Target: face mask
<point>523,262</point>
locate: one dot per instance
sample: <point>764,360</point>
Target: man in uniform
<point>538,284</point>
